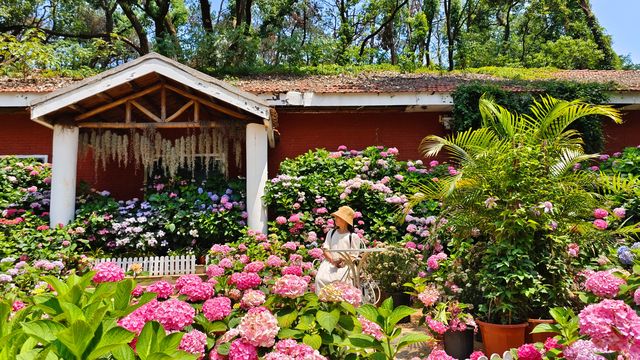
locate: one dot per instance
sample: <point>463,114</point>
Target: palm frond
<point>496,117</point>
<point>422,192</point>
<point>555,115</point>
<point>568,158</point>
<point>617,184</point>
<point>460,145</point>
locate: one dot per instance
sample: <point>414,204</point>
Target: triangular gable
<point>151,63</point>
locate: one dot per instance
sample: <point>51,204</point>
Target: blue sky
<point>620,19</point>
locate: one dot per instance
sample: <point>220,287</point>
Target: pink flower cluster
<point>292,270</point>
<point>290,286</point>
<point>162,288</point>
<point>274,261</point>
<point>107,272</point>
<point>174,315</point>
<point>604,284</point>
<point>600,213</point>
<point>433,260</point>
<point>289,349</point>
<point>371,328</point>
<point>196,292</point>
<point>436,325</point>
<point>244,280</point>
<point>612,325</point>
<point>259,327</point>
<point>254,267</point>
<point>439,355</point>
<point>476,355</point>
<point>529,352</point>
<point>316,253</point>
<point>341,291</point>
<point>217,308</point>
<point>583,350</point>
<point>252,298</point>
<point>187,279</point>
<point>194,342</point>
<point>429,296</point>
<point>214,271</point>
<point>240,349</point>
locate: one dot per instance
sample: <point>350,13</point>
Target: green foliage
<point>384,267</point>
<point>386,317</point>
<point>466,98</point>
<point>517,202</point>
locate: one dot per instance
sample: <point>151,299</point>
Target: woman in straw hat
<point>341,238</point>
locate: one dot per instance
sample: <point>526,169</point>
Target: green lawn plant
<point>517,203</point>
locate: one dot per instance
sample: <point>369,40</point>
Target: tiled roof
<point>385,82</point>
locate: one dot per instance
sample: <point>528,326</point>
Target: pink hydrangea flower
<point>214,271</point>
<point>226,263</point>
<point>174,315</point>
<point>600,224</point>
<point>187,279</point>
<point>274,261</point>
<point>433,262</point>
<point>137,291</point>
<point>551,343</point>
<point>439,355</point>
<point>529,352</point>
<point>290,286</point>
<point>371,328</point>
<point>281,220</point>
<point>620,212</point>
<point>194,342</point>
<point>612,325</point>
<point>316,253</point>
<point>476,355</point>
<point>252,298</point>
<point>136,320</point>
<point>290,245</point>
<point>600,213</point>
<point>259,327</point>
<point>197,291</point>
<point>436,326</point>
<point>289,349</point>
<point>242,350</point>
<point>107,272</point>
<point>254,267</point>
<point>583,350</point>
<point>244,280</point>
<point>217,308</point>
<point>17,305</point>
<point>604,284</point>
<point>429,296</point>
<point>636,296</point>
<point>341,291</point>
<point>292,270</point>
<point>163,289</point>
<point>573,250</point>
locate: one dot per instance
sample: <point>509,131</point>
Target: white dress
<point>327,273</point>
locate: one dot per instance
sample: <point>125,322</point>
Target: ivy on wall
<point>466,113</point>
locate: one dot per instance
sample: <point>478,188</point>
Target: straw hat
<point>345,213</point>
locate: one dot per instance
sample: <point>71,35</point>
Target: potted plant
<point>384,267</point>
<point>513,208</point>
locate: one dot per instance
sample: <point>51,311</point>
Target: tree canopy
<point>240,36</point>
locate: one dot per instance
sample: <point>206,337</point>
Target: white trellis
<point>157,265</point>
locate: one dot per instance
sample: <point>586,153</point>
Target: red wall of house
<point>626,134</point>
<point>300,132</point>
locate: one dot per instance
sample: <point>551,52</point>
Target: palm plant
<point>517,189</point>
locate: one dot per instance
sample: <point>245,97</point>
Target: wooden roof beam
<point>208,103</point>
<point>117,102</point>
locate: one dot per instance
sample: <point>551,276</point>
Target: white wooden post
<point>63,178</point>
<point>257,149</point>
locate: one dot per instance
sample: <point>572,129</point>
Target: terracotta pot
<point>499,338</point>
<point>538,337</point>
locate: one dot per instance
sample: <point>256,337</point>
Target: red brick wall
<point>300,132</point>
<point>627,134</point>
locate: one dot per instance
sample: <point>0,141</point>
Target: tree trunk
<point>598,37</point>
<point>205,11</point>
<point>449,30</point>
<point>137,26</point>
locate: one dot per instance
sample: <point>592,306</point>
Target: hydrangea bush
<point>372,181</point>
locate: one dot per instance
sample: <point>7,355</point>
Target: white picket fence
<point>158,265</point>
